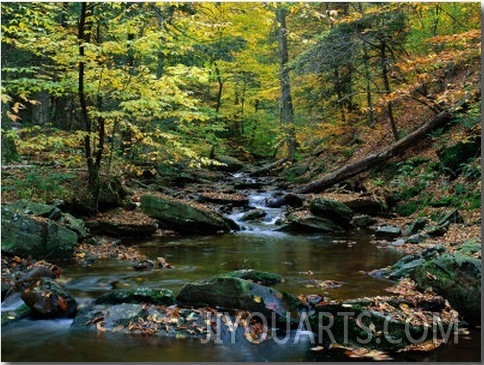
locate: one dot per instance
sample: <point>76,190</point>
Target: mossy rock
<point>183,216</point>
<point>27,235</point>
<point>333,210</point>
<point>23,311</point>
<point>259,277</point>
<point>232,293</point>
<point>457,277</point>
<point>137,296</point>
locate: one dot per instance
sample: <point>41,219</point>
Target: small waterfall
<point>257,201</point>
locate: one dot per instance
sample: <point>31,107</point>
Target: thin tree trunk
<point>220,88</point>
<point>287,111</point>
<point>386,84</point>
<point>92,166</point>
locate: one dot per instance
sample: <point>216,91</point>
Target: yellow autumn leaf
<point>257,299</point>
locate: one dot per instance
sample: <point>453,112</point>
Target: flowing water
<point>299,258</point>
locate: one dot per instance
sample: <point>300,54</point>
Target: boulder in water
<point>183,216</point>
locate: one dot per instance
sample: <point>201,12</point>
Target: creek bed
<point>299,258</point>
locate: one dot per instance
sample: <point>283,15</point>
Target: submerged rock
<point>184,217</point>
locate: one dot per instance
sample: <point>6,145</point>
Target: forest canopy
<point>119,86</point>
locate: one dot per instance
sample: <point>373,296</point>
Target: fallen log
<point>377,158</point>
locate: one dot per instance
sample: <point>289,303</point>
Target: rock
<point>253,215</point>
<point>147,320</point>
<point>417,238</point>
<point>258,277</point>
<point>9,316</point>
<point>407,264</point>
<point>416,226</point>
<point>384,323</point>
<point>363,221</point>
<point>48,299</point>
<point>235,200</point>
<point>231,164</point>
<point>333,210</point>
<point>236,293</point>
<point>74,224</point>
<point>305,222</point>
<point>37,209</point>
<point>184,217</point>
<point>387,231</point>
<point>27,235</point>
<point>457,277</point>
<point>451,217</point>
<point>292,200</point>
<point>138,295</point>
<point>122,223</point>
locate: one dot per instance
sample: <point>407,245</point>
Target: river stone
<point>333,210</point>
<point>25,235</point>
<point>363,220</point>
<point>387,231</point>
<point>234,293</point>
<point>305,222</point>
<point>415,226</point>
<point>253,215</point>
<point>259,277</point>
<point>137,296</point>
<point>184,217</point>
<point>290,199</point>
<point>348,322</point>
<point>457,277</point>
<point>21,312</point>
<point>49,299</point>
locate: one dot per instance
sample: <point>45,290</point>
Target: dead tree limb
<point>377,158</point>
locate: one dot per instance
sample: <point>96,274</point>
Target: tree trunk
<point>377,158</point>
<point>92,166</point>
<point>287,111</point>
<point>220,88</point>
<point>386,84</point>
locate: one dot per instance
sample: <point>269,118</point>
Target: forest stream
<point>299,258</point>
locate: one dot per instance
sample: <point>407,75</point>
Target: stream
<point>299,258</point>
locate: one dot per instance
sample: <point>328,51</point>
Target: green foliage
<point>41,184</point>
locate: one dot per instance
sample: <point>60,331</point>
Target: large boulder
<point>333,210</point>
<point>457,277</point>
<point>305,222</point>
<point>184,217</point>
<point>235,293</point>
<point>26,234</point>
<point>389,323</point>
<point>138,295</point>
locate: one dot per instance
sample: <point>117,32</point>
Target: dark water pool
<point>298,258</point>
